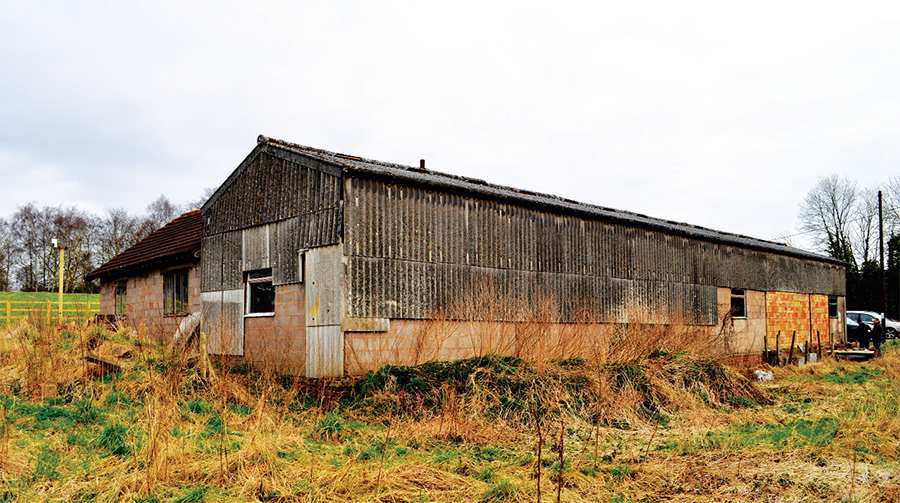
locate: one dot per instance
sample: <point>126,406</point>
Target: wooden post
<point>778,348</point>
<point>791,353</point>
<point>48,313</point>
<point>831,340</point>
<point>766,348</point>
<point>8,312</point>
<point>819,341</point>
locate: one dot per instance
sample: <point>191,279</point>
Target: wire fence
<point>47,311</point>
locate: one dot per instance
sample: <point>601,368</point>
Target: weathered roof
<point>177,242</point>
<point>420,176</point>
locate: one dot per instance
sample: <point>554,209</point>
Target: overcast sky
<point>711,113</point>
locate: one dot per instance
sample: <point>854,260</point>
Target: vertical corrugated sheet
<point>324,311</point>
<point>413,252</point>
<point>223,318</point>
<point>256,244</point>
<point>277,205</point>
<point>324,351</point>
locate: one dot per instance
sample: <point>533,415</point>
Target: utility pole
<point>62,255</point>
<point>881,254</point>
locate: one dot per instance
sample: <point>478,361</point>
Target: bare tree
<point>828,212</point>
<point>114,234</point>
<point>160,212</point>
<point>196,204</point>
<point>75,230</point>
<point>864,228</point>
<point>891,206</point>
<point>7,255</point>
<point>32,233</point>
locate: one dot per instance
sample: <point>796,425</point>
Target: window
<point>121,296</point>
<point>260,293</point>
<point>738,303</point>
<point>175,292</point>
<point>832,306</point>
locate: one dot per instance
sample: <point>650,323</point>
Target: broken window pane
<point>260,292</point>
<point>176,292</point>
<point>738,303</point>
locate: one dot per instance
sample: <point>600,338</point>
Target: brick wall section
<point>787,312</point>
<point>279,341</point>
<point>145,305</point>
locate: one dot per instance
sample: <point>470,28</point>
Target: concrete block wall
<point>411,342</point>
<point>746,335</point>
<point>145,305</point>
<point>279,341</point>
<point>107,298</point>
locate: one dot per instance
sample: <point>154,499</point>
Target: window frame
<point>257,277</point>
<point>120,300</point>
<point>833,303</point>
<point>739,294</point>
<point>170,300</point>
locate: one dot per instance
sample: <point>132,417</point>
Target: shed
<point>156,281</point>
<point>327,264</point>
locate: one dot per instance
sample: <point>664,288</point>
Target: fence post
<point>49,322</point>
<point>778,348</point>
<point>8,312</point>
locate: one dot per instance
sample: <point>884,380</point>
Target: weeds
<point>647,416</point>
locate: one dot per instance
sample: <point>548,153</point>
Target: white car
<point>891,328</point>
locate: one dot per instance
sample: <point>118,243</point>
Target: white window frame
<point>248,281</point>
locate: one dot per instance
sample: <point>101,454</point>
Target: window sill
<point>259,315</point>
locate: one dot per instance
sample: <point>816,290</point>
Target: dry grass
<point>647,412</point>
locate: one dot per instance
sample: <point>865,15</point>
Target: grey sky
<point>702,112</point>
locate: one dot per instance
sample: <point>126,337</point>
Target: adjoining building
<point>155,282</point>
<point>326,264</point>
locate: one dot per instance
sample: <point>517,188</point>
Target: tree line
<point>29,262</point>
<point>842,219</point>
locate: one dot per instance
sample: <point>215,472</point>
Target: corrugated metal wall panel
<point>211,263</point>
<point>418,251</point>
<point>278,205</point>
<point>232,261</point>
<point>223,321</point>
<point>324,351</point>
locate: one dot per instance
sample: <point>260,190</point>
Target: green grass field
<point>15,306</point>
<point>51,296</point>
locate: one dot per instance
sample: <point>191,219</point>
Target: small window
<point>260,292</point>
<point>121,296</point>
<point>176,292</point>
<point>832,306</point>
<point>738,303</point>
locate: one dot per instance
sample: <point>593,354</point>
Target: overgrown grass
<point>631,426</point>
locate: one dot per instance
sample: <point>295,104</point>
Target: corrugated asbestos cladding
<point>416,242</point>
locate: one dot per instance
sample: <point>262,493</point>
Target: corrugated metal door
<point>324,308</point>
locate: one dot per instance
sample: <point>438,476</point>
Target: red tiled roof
<point>177,242</point>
